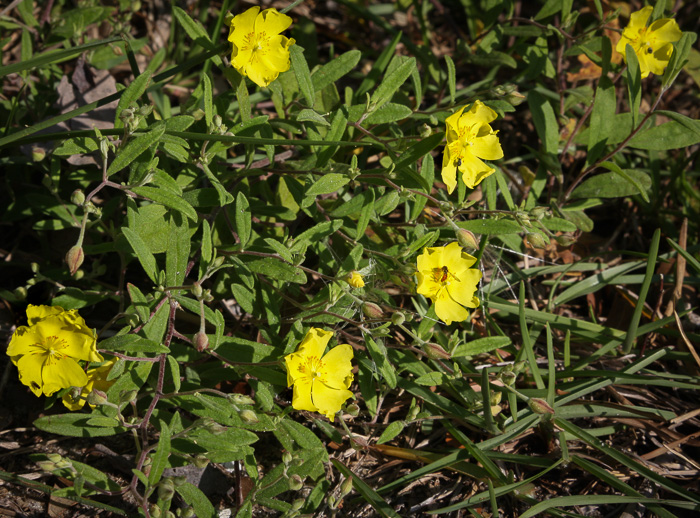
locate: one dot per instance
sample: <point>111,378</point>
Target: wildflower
<point>652,44</point>
<point>97,379</point>
<point>469,139</point>
<point>260,52</point>
<point>320,382</point>
<point>46,351</point>
<point>445,276</point>
<point>354,279</point>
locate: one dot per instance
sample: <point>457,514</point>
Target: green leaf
<point>55,56</point>
<point>481,346</point>
<point>133,344</point>
<point>391,431</point>
<point>197,500</point>
<point>634,83</point>
<point>491,227</point>
<point>378,68</point>
<point>379,355</point>
<point>160,457</point>
<point>195,31</point>
<point>669,135</point>
<point>391,83</point>
<point>307,114</point>
<point>389,112</point>
<point>131,94</point>
<point>144,255</point>
<point>602,118</point>
<point>75,425</point>
<point>276,269</point>
<point>208,102</point>
<point>178,252</point>
<point>621,183</point>
<point>138,301</point>
<point>545,121</point>
<point>331,72</point>
<point>168,199</point>
<point>327,184</point>
<point>243,219</point>
<point>365,215</point>
<point>451,77</point>
<point>135,147</point>
<point>301,71</point>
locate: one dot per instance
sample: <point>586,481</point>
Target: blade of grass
<point>593,500</point>
<point>527,343</point>
<point>369,494</point>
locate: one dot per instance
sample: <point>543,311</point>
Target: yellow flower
<point>445,276</point>
<point>46,351</point>
<point>97,379</point>
<point>354,279</point>
<point>653,44</point>
<point>469,139</point>
<point>320,382</point>
<point>260,52</point>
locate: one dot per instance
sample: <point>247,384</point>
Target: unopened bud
<point>212,426</point>
<point>198,114</point>
<point>217,121</point>
<point>20,292</point>
<point>565,240</point>
<point>287,458</point>
<point>425,131</point>
<point>398,318</point>
<point>413,413</point>
<point>46,465</point>
<point>200,461</point>
<point>197,290</point>
<point>467,239</point>
<point>371,310</point>
<point>248,416</point>
<point>201,341</point>
<point>495,398</point>
<point>96,397</point>
<point>74,258</point>
<point>38,154</point>
<point>298,504</point>
<point>354,279</point>
<point>535,240</point>
<point>155,511</point>
<point>127,396</point>
<point>346,487</point>
<point>515,98</point>
<point>34,267</point>
<point>295,482</point>
<point>54,457</point>
<point>188,512</point>
<point>240,399</point>
<point>166,489</point>
<point>540,406</point>
<point>218,261</point>
<point>77,197</point>
<point>540,212</point>
<point>179,480</point>
<point>353,409</point>
<point>435,352</point>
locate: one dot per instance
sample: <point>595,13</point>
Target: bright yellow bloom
<point>320,382</point>
<point>469,139</point>
<point>653,44</point>
<point>354,279</point>
<point>260,52</point>
<point>97,379</point>
<point>445,276</point>
<point>46,351</point>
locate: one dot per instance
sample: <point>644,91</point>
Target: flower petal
<point>663,31</point>
<point>474,170</point>
<point>638,19</point>
<point>272,22</point>
<point>277,56</point>
<point>242,25</point>
<point>37,313</point>
<point>301,400</point>
<point>449,171</point>
<point>448,310</point>
<point>430,258</point>
<point>479,113</point>
<point>452,124</point>
<point>258,72</point>
<point>62,373</point>
<point>295,364</point>
<point>337,367</point>
<point>329,400</point>
<point>487,147</point>
<point>315,342</point>
<point>462,290</point>
<point>30,367</point>
<point>456,260</point>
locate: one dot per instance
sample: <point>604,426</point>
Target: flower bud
<point>96,397</point>
<point>201,341</point>
<point>198,114</point>
<point>398,318</point>
<point>218,261</point>
<point>20,293</point>
<point>371,310</point>
<point>413,413</point>
<point>212,426</point>
<point>515,98</point>
<point>287,458</point>
<point>200,461</point>
<point>74,258</point>
<point>248,416</point>
<point>197,290</point>
<point>535,240</point>
<point>38,154</point>
<point>127,396</point>
<point>54,457</point>
<point>425,131</point>
<point>298,504</point>
<point>565,240</point>
<point>217,121</point>
<point>353,409</point>
<point>188,512</point>
<point>155,511</point>
<point>467,239</point>
<point>295,482</point>
<point>540,406</point>
<point>77,197</point>
<point>240,399</point>
<point>435,352</point>
<point>179,480</point>
<point>540,212</point>
<point>346,487</point>
<point>34,267</point>
<point>354,279</point>
<point>166,489</point>
<point>46,465</point>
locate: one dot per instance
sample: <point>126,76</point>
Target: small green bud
<point>180,480</point>
<point>398,318</point>
<point>536,240</point>
<point>371,310</point>
<point>127,396</point>
<point>169,514</point>
<point>353,409</point>
<point>20,292</point>
<point>212,426</point>
<point>200,461</point>
<point>435,351</point>
<point>248,416</point>
<point>201,341</point>
<point>54,457</point>
<point>77,197</point>
<point>198,114</point>
<point>166,489</point>
<point>74,258</point>
<point>515,98</point>
<point>217,121</point>
<point>188,512</point>
<point>565,240</point>
<point>298,504</point>
<point>540,212</point>
<point>38,154</point>
<point>197,290</point>
<point>34,267</point>
<point>145,110</point>
<point>413,413</point>
<point>96,397</point>
<point>287,458</point>
<point>495,398</point>
<point>240,399</point>
<point>295,482</point>
<point>155,511</point>
<point>346,487</point>
<point>46,465</point>
<point>540,406</point>
<point>425,131</point>
<point>467,239</point>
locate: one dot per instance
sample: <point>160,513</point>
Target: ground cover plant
<point>349,258</point>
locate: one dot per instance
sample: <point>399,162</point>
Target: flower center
<point>257,42</point>
<point>312,369</point>
<point>52,346</point>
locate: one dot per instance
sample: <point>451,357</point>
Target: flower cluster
<point>445,276</point>
<point>653,45</point>
<point>260,52</point>
<point>470,138</point>
<point>47,351</point>
<point>320,381</point>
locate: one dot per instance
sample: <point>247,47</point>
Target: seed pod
<point>74,258</point>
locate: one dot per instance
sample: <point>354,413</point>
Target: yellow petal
<point>259,73</point>
<point>479,113</point>
<point>294,363</point>
<point>272,22</point>
<point>315,342</point>
<point>329,400</point>
<point>301,399</point>
<point>487,147</point>
<point>456,260</point>
<point>38,313</point>
<point>462,290</point>
<point>242,25</point>
<point>30,367</point>
<point>337,367</point>
<point>449,171</point>
<point>277,56</point>
<point>449,311</point>
<point>427,286</point>
<point>452,123</point>
<point>664,31</point>
<point>474,170</point>
<point>638,19</point>
<point>62,373</point>
<point>430,258</point>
